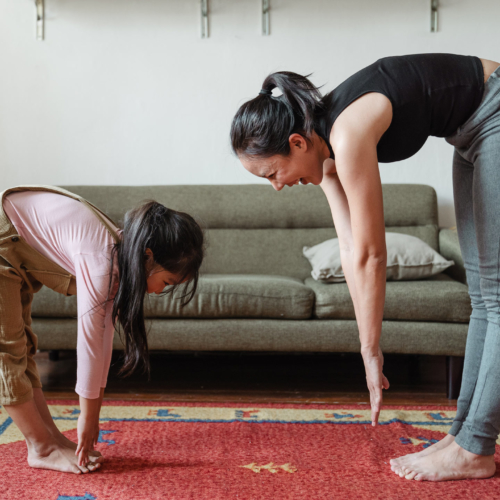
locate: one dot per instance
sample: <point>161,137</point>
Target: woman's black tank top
<point>431,94</point>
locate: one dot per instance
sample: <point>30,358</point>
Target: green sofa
<point>256,292</point>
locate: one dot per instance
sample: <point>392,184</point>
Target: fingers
<point>83,457</point>
<point>375,403</point>
<point>385,382</point>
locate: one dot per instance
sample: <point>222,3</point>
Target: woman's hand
<point>376,380</point>
<point>88,434</point>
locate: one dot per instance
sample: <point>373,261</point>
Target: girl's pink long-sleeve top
<point>69,234</point>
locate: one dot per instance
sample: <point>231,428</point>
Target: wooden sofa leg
<point>454,369</point>
<point>54,355</point>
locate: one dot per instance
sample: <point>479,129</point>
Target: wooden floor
<point>259,378</point>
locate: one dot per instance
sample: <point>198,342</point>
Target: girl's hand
<point>88,434</point>
<point>375,380</point>
<point>88,427</point>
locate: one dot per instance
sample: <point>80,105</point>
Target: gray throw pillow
<point>408,258</point>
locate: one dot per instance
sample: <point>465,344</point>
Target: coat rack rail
<point>40,19</point>
<point>434,15</point>
<point>204,4</point>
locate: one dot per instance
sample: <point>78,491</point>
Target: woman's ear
<point>297,142</point>
<point>149,254</point>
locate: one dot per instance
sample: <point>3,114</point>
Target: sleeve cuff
<point>88,394</point>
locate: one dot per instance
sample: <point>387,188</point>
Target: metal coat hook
<point>434,15</point>
<point>266,29</point>
<point>40,19</point>
<point>204,18</point>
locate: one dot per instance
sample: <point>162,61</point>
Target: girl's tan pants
<point>18,344</point>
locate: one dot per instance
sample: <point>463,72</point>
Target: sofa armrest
<point>449,248</point>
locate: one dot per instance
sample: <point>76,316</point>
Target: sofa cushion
<point>239,296</point>
<point>439,298</point>
<point>408,258</point>
<point>218,296</point>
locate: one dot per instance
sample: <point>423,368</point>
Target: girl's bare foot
<point>94,455</point>
<point>397,464</point>
<point>56,457</point>
<point>450,463</point>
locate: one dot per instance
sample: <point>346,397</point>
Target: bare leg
<point>44,451</point>
<point>41,404</point>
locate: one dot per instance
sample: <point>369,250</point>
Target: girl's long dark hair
<point>262,126</point>
<point>177,243</point>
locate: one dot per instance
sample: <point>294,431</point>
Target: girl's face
<point>303,165</point>
<point>159,278</point>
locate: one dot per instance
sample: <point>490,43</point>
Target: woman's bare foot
<point>451,463</point>
<point>56,457</point>
<point>397,464</point>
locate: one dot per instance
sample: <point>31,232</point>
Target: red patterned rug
<point>210,452</point>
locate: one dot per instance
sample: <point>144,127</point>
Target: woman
<point>49,236</point>
<point>384,113</point>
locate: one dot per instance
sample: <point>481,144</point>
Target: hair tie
<point>266,92</point>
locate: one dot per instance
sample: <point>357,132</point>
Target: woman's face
<point>303,165</point>
<point>159,278</point>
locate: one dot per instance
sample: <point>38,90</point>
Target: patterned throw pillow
<point>408,258</point>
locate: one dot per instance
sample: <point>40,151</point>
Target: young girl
<point>49,236</point>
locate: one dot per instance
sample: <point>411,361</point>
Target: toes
<point>419,477</point>
<point>75,470</point>
<point>93,466</point>
<point>97,459</point>
<point>410,475</point>
<point>95,453</point>
<point>84,469</point>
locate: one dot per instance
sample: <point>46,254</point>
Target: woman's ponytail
<point>262,126</point>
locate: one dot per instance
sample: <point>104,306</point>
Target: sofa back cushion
<point>252,229</point>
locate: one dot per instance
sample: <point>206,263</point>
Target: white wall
<point>126,92</point>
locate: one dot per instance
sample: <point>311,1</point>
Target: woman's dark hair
<point>262,126</point>
<point>177,243</point>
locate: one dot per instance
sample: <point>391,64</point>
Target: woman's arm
<point>339,207</point>
<point>356,197</point>
<point>337,200</point>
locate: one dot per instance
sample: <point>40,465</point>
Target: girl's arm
<point>94,346</point>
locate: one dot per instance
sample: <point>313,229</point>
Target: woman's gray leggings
<point>476,187</point>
